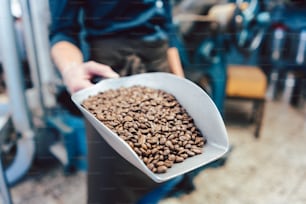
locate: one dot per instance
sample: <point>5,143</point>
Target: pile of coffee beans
<point>151,121</point>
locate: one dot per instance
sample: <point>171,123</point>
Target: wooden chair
<point>246,82</point>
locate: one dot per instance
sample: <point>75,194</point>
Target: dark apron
<point>111,179</point>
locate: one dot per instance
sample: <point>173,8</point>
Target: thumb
<point>94,68</point>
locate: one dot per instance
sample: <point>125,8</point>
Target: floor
<point>270,169</point>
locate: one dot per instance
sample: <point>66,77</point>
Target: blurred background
<point>249,56</point>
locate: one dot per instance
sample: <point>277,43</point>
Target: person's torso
<point>132,18</point>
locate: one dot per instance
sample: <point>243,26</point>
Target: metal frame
<point>18,105</point>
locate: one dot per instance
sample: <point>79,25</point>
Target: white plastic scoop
<point>193,98</point>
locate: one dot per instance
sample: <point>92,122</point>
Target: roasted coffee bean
<point>190,153</point>
<point>150,166</point>
<point>150,160</point>
<point>131,144</point>
<point>145,160</point>
<point>162,140</point>
<point>169,144</point>
<point>197,150</point>
<point>185,155</point>
<point>142,139</point>
<point>168,163</point>
<point>201,144</point>
<point>160,163</point>
<point>166,152</point>
<point>171,157</point>
<point>137,151</point>
<point>188,146</point>
<point>154,151</point>
<point>181,151</point>
<point>179,159</point>
<point>161,157</point>
<point>151,121</point>
<point>162,169</point>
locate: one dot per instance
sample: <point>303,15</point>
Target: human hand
<point>78,76</point>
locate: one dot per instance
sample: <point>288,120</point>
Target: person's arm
<point>65,51</point>
<point>172,53</point>
<point>175,62</point>
<point>77,74</point>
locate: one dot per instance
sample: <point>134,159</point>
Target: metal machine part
<point>300,56</point>
<point>21,117</point>
<point>18,108</point>
<point>250,24</point>
<point>278,42</point>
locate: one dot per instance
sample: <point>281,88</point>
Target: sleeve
<point>65,25</point>
<point>170,27</point>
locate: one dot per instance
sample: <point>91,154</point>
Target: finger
<point>81,85</point>
<point>95,68</point>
